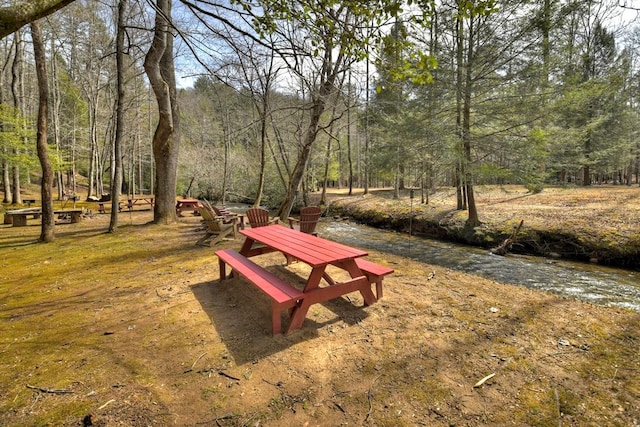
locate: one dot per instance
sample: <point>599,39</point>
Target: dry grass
<point>134,329</point>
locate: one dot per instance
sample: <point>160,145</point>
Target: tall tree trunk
<point>366,132</point>
<point>160,70</point>
<point>47,233</point>
<point>117,141</point>
<point>263,150</point>
<point>55,118</point>
<point>17,89</point>
<point>6,181</point>
<point>349,154</point>
<point>459,168</point>
<point>472,219</point>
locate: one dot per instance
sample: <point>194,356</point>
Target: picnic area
<point>136,328</point>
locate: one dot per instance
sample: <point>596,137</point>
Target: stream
<point>589,282</point>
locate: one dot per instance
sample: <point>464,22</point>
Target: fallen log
<point>506,245</point>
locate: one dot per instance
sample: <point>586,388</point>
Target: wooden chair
<point>228,215</point>
<point>259,217</point>
<point>309,217</point>
<point>215,226</point>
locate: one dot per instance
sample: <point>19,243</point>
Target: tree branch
<point>23,12</point>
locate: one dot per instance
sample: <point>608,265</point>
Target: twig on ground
<point>226,417</point>
<point>557,396</point>
<point>224,374</point>
<point>50,390</point>
<point>108,403</point>
<point>482,381</point>
<point>194,362</point>
<point>369,394</point>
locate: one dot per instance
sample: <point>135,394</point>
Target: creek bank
<point>540,238</point>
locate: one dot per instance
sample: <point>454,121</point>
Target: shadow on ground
<point>241,315</point>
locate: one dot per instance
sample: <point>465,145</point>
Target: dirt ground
<point>134,329</point>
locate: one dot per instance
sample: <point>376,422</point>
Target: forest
<point>264,102</point>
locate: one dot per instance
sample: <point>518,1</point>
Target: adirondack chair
<point>259,217</point>
<point>228,215</point>
<point>309,217</point>
<point>215,227</point>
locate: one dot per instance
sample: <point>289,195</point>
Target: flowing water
<point>593,283</point>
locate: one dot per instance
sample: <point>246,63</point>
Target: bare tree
<point>47,230</point>
<point>7,50</point>
<point>116,183</point>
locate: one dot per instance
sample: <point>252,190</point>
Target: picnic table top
<point>38,210</point>
<point>24,211</point>
<point>310,249</point>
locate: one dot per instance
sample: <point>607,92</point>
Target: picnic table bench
<point>283,296</point>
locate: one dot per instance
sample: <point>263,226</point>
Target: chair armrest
<point>293,221</point>
<point>275,220</point>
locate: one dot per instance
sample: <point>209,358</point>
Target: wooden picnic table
<point>130,202</point>
<point>318,253</point>
<point>18,217</point>
<point>187,205</point>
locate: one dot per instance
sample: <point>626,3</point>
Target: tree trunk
<point>6,181</point>
<point>263,111</point>
<point>47,230</point>
<point>459,168</point>
<point>349,154</point>
<point>317,109</point>
<point>17,89</point>
<point>366,133</point>
<point>472,219</point>
<point>117,141</point>
<point>55,117</point>
<point>159,67</point>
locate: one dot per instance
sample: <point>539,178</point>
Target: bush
<point>535,188</point>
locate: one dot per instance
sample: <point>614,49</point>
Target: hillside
<point>596,224</point>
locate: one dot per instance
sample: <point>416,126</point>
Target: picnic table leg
<point>276,322</point>
<point>314,278</point>
<point>366,292</point>
<point>223,269</point>
<point>298,315</point>
<point>19,220</point>
<point>76,217</point>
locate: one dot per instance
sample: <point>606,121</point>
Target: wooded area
<point>263,102</point>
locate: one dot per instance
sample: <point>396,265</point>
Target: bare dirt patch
<point>134,329</point>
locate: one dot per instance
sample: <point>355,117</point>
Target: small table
<point>134,201</point>
<point>187,205</point>
<point>317,253</point>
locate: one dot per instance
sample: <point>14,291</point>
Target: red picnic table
<point>187,205</point>
<point>318,253</point>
